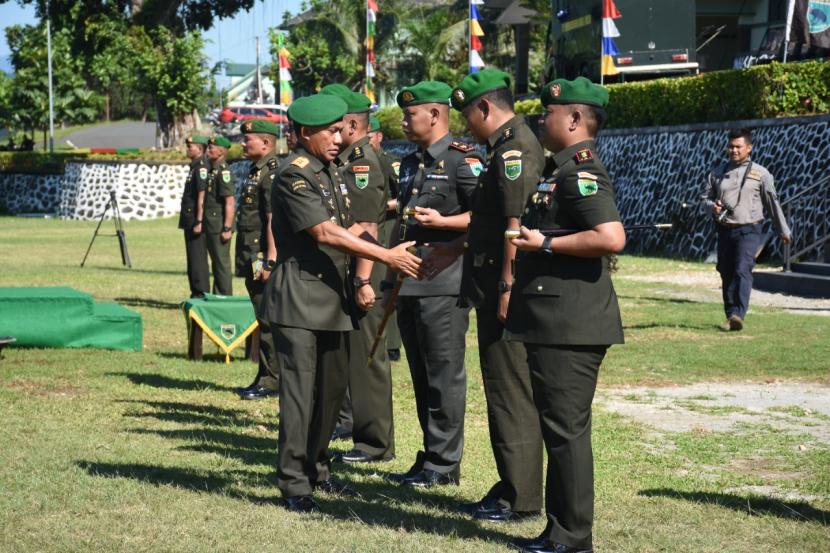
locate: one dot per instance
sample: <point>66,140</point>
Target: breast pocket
<point>434,194</point>
<point>542,286</point>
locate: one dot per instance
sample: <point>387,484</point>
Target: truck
<point>657,38</point>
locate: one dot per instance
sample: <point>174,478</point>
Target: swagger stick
<point>510,234</point>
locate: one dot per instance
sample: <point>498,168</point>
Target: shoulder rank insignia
<point>226,176</point>
<point>511,153</point>
<point>297,185</point>
<point>508,133</point>
<point>273,163</point>
<point>300,161</point>
<point>357,153</point>
<point>754,174</point>
<point>583,155</point>
<point>461,146</point>
<point>586,175</point>
<point>396,167</point>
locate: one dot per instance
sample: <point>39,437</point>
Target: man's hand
<point>443,255</point>
<point>528,240</point>
<point>365,297</point>
<point>717,207</point>
<point>225,237</point>
<point>787,238</point>
<point>401,261</point>
<point>197,228</point>
<point>428,217</point>
<point>504,300</point>
<point>262,275</point>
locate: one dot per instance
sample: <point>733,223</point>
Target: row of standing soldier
<point>546,309</point>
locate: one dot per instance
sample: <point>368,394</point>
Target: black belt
<point>739,225</point>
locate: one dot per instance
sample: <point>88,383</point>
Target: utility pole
<point>49,63</point>
<point>258,75</point>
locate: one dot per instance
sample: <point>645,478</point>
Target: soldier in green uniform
<point>514,162</point>
<point>310,297</point>
<point>255,250</point>
<point>437,182</point>
<point>190,217</point>
<point>391,167</point>
<point>367,408</point>
<point>218,210</point>
<point>563,306</point>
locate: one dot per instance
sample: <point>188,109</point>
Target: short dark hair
<point>502,97</point>
<point>596,118</point>
<point>742,132</point>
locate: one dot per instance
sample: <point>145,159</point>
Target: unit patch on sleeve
<point>587,187</point>
<point>396,167</point>
<point>226,176</point>
<point>300,162</point>
<point>511,153</point>
<point>203,172</point>
<point>583,155</point>
<point>512,168</point>
<point>475,165</point>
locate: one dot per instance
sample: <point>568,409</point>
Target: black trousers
<point>564,381</point>
<point>315,373</point>
<point>268,370</point>
<point>736,259</point>
<point>433,331</point>
<point>515,435</point>
<point>220,261</point>
<point>198,275</point>
<point>367,408</point>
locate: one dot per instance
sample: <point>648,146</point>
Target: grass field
<point>112,451</point>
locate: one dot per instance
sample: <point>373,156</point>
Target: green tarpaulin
<point>62,317</point>
<point>227,320</point>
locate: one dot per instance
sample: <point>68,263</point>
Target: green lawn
<point>113,451</point>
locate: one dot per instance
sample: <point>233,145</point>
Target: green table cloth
<point>226,320</point>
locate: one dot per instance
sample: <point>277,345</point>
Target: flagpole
<point>470,36</point>
<point>788,29</point>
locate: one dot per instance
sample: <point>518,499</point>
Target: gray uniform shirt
<point>758,194</point>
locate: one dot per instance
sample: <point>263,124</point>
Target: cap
<point>425,92</point>
<point>475,84</point>
<point>577,91</point>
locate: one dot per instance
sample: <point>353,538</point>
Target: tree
<point>437,47</point>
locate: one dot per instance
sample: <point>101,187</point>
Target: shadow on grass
<point>147,302</point>
<point>134,270</point>
<point>646,326</point>
<point>661,300</point>
<point>161,381</point>
<point>751,504</point>
<point>206,357</point>
<point>191,413</point>
<point>370,508</point>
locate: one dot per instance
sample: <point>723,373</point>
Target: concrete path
<point>128,134</point>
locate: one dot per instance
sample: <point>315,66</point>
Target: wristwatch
<point>359,282</point>
<point>270,265</point>
<point>547,245</point>
<point>505,286</point>
<point>226,229</point>
<point>386,285</point>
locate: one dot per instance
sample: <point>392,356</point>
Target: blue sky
<point>231,39</point>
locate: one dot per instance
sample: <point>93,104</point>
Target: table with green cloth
<point>227,320</point>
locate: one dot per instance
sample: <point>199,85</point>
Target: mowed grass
<point>113,451</point>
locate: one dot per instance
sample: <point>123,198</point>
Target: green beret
<point>476,84</point>
<point>317,109</point>
<point>374,123</point>
<point>260,126</point>
<point>197,139</point>
<point>577,91</point>
<point>425,92</point>
<point>220,141</point>
<point>355,101</point>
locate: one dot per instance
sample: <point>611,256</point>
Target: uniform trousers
<point>433,332</point>
<point>736,259</point>
<point>198,275</point>
<point>515,435</point>
<point>220,261</point>
<point>315,373</point>
<point>268,370</point>
<point>564,380</point>
<point>367,408</point>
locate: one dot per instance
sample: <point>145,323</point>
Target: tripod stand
<point>119,231</point>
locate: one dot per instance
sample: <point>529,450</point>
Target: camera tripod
<point>119,231</point>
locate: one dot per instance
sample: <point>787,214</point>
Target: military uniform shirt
<point>442,177</point>
<point>758,194</point>
<point>254,207</point>
<point>361,169</point>
<point>219,186</point>
<point>514,162</point>
<point>561,299</point>
<point>196,182</point>
<point>309,288</point>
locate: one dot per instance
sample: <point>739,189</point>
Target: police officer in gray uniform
<point>310,297</point>
<point>218,212</point>
<point>739,192</point>
<point>436,185</point>
<point>256,253</point>
<point>190,216</point>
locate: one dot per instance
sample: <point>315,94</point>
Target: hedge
<point>390,123</point>
<point>761,92</point>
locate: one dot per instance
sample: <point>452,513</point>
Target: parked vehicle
<point>233,114</point>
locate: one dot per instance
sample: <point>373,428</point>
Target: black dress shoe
<point>258,392</point>
<point>472,508</point>
<point>335,487</point>
<point>302,504</point>
<point>248,388</point>
<point>544,545</point>
<point>394,354</point>
<point>358,456</point>
<point>341,433</point>
<point>500,513</point>
<point>428,478</point>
